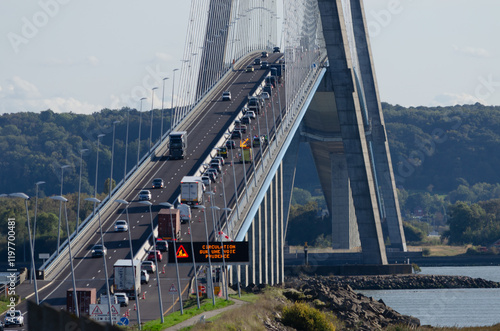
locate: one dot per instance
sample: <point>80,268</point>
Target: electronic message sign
<point>234,252</point>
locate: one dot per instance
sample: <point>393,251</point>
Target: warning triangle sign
<point>96,311</point>
<point>113,310</point>
<point>181,252</point>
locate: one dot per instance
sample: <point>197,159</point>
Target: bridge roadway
<point>203,133</point>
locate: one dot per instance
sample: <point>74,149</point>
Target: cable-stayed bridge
<point>328,97</point>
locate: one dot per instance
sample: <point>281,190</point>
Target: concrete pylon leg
<point>344,226</point>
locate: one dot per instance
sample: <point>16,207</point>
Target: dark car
<point>210,175</point>
<point>256,61</point>
<point>246,120</point>
<point>230,144</point>
<point>158,183</point>
<point>264,54</point>
<point>264,65</point>
<point>276,49</point>
<point>216,166</point>
<point>161,245</point>
<point>98,250</point>
<point>236,134</point>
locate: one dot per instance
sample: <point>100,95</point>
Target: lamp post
<point>139,137</point>
<point>97,167</point>
<point>209,259</point>
<point>194,266</point>
<point>172,101</point>
<point>79,189</point>
<point>26,198</point>
<point>151,129</point>
<point>112,157</point>
<point>169,206</point>
<point>34,225</point>
<point>162,98</point>
<point>63,199</point>
<point>234,180</point>
<point>95,201</point>
<point>60,209</point>
<point>216,209</point>
<point>126,148</point>
<point>126,203</point>
<point>147,203</point>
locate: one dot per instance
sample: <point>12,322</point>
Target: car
<point>246,120</point>
<point>257,61</point>
<point>221,160</point>
<point>121,226</point>
<point>144,195</point>
<point>265,96</point>
<point>222,152</point>
<point>122,299</point>
<point>236,134</point>
<point>257,141</point>
<point>210,175</point>
<point>161,245</point>
<point>213,171</point>
<point>264,65</point>
<point>276,49</point>
<point>226,96</point>
<point>14,317</point>
<point>249,68</point>
<point>148,266</point>
<point>264,54</point>
<point>158,183</point>
<point>151,256</point>
<point>250,114</point>
<point>241,127</point>
<point>206,180</point>
<point>230,144</point>
<point>216,166</point>
<point>99,250</point>
<point>144,277</point>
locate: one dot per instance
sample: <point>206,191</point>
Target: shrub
<point>301,316</point>
<point>426,251</point>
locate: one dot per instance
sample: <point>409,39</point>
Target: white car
<point>144,277</point>
<point>122,299</point>
<point>149,266</point>
<point>250,114</point>
<point>226,96</point>
<point>14,318</point>
<point>121,226</point>
<point>144,195</point>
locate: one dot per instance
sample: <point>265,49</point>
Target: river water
<point>448,307</point>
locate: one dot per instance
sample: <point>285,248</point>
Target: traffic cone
<point>163,271</point>
<point>215,189</point>
<point>199,219</point>
<point>135,306</point>
<point>189,230</point>
<point>144,296</point>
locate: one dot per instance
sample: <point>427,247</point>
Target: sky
<point>82,56</point>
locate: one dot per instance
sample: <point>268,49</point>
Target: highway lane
<point>211,125</point>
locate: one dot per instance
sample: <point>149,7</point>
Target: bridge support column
<point>344,226</point>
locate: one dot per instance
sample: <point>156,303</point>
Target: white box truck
<point>124,277</point>
<point>185,212</point>
<point>192,190</point>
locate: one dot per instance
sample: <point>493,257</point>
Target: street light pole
<point>63,199</point>
<point>151,129</point>
<point>194,266</point>
<point>97,168</point>
<point>209,259</point>
<point>112,157</point>
<point>95,201</point>
<point>34,225</point>
<point>174,239</point>
<point>126,148</point>
<point>79,189</point>
<point>139,137</point>
<point>26,198</point>
<point>172,113</point>
<point>60,209</point>
<point>126,203</point>
<point>162,99</point>
<point>234,180</point>
<point>147,203</point>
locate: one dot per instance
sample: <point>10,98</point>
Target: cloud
<point>164,56</point>
<point>89,60</point>
<point>18,95</point>
<point>474,51</point>
<point>452,99</point>
<point>92,60</point>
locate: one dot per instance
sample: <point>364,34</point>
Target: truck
<point>192,190</point>
<point>246,155</point>
<point>178,144</point>
<point>169,218</point>
<point>85,297</point>
<point>124,271</point>
<point>185,212</point>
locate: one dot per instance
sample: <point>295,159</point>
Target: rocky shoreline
<point>410,282</point>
